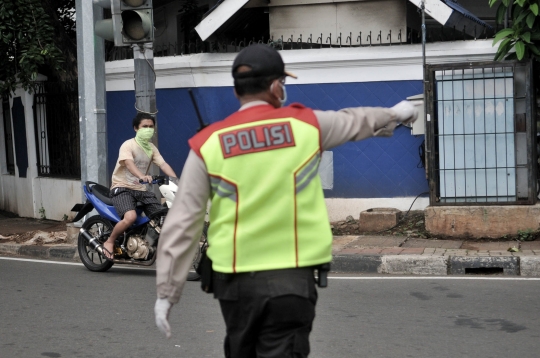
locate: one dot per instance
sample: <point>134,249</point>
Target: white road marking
<point>119,266</point>
<point>433,278</point>
<point>41,261</point>
<point>329,277</point>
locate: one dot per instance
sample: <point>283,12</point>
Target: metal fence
<point>56,123</point>
<point>8,136</point>
<point>481,139</point>
<point>311,41</point>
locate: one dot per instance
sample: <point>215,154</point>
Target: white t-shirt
<point>122,177</point>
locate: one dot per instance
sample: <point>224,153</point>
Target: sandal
<point>107,255</point>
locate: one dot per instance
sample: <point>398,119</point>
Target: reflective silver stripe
<point>311,170</point>
<point>314,162</point>
<point>223,189</point>
<point>228,195</point>
<point>306,182</point>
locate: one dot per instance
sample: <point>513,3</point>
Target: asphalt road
<point>58,310</point>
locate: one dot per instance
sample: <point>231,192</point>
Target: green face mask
<point>143,137</point>
<point>145,134</point>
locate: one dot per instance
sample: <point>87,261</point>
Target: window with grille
<point>56,113</point>
<point>8,136</point>
<point>480,140</point>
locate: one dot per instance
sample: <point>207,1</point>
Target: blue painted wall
<point>373,168</point>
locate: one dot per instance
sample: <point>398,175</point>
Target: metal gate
<point>56,123</point>
<point>481,134</point>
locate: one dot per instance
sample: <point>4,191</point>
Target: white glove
<point>161,310</point>
<point>406,112</point>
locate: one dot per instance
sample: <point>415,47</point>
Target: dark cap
<point>263,60</point>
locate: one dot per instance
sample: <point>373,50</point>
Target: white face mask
<point>284,99</point>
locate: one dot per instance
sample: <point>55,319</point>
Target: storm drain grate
<point>484,270</point>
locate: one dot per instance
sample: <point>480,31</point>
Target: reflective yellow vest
<point>268,210</point>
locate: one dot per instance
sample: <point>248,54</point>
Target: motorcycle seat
<point>100,191</point>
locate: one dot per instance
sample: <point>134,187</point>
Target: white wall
<point>56,197</point>
<point>26,196</point>
<point>335,65</point>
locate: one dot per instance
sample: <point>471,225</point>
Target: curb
<point>382,264</point>
<point>437,265</point>
<point>66,252</point>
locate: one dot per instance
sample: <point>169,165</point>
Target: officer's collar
<point>253,104</point>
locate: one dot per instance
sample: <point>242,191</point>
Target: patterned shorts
<point>125,200</point>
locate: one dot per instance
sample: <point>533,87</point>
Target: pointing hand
<point>406,112</point>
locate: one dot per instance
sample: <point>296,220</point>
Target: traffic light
<point>131,22</point>
<point>137,21</point>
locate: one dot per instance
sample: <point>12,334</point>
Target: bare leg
<point>119,228</point>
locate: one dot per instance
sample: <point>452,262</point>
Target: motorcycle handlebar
<point>156,179</point>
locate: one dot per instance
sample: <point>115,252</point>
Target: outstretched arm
<point>353,124</point>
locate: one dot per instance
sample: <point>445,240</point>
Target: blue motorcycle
<point>138,244</point>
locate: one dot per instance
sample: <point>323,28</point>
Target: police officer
<point>269,225</point>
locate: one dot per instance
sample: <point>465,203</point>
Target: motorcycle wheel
<point>193,275</point>
<point>92,260</point>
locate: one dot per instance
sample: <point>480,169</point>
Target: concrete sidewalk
<point>351,254</point>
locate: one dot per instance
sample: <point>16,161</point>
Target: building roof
<point>447,12</point>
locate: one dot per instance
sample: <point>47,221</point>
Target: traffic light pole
<point>145,86</point>
<point>145,78</point>
<point>92,113</point>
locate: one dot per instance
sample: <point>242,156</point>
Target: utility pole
<point>145,87</point>
<point>145,77</point>
<point>92,112</point>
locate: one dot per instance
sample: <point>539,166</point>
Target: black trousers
<point>268,314</point>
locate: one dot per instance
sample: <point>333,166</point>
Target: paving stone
<point>378,241</point>
<point>412,251</point>
<point>339,242</point>
<point>530,245</point>
<point>360,251</point>
<point>433,254</point>
<point>391,251</point>
<point>503,245</point>
<point>370,251</point>
<point>447,244</point>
